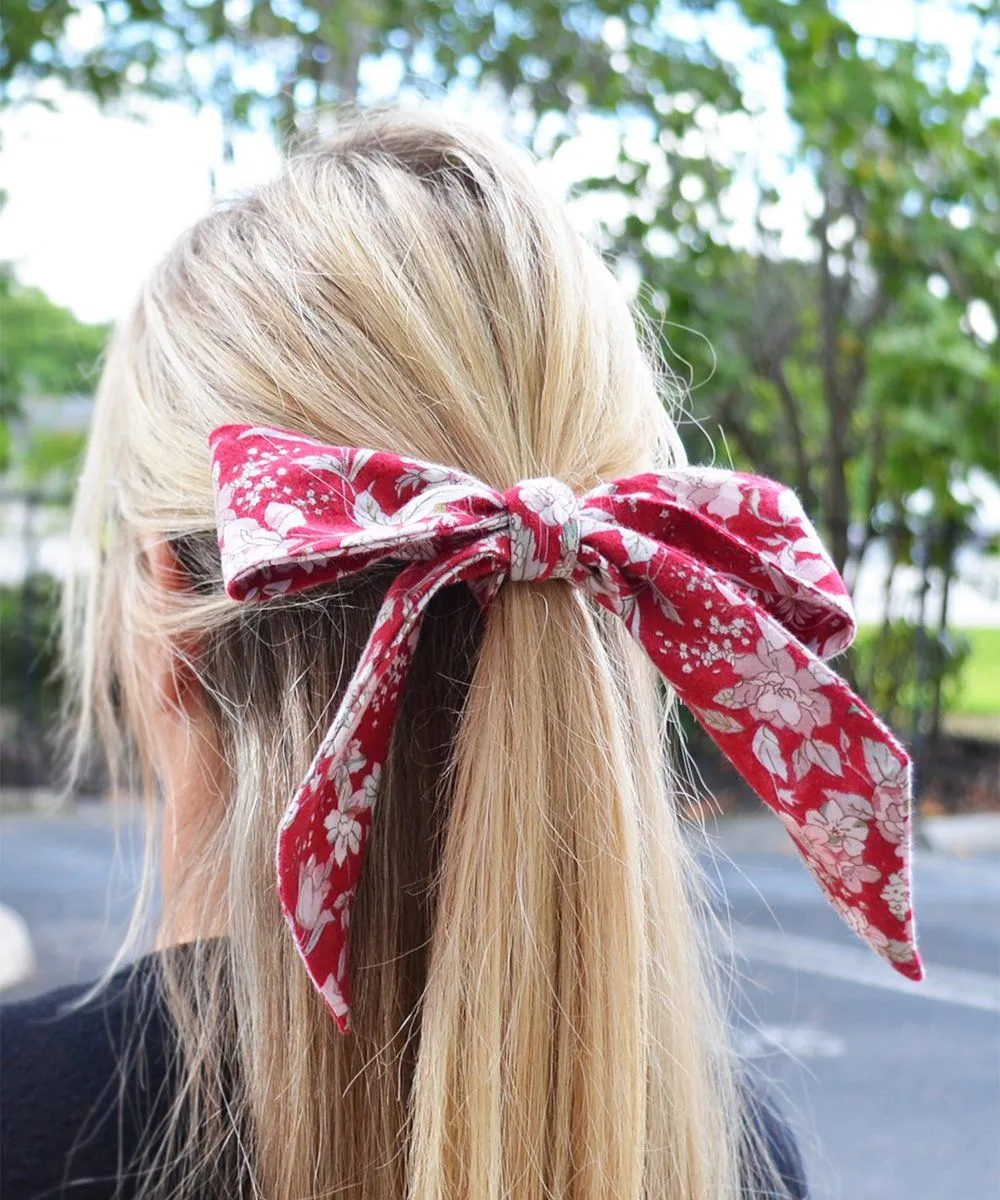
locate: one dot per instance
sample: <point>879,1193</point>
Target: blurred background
<point>804,199</point>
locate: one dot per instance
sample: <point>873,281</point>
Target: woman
<point>527,1008</point>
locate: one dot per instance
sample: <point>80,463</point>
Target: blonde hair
<point>534,1015</point>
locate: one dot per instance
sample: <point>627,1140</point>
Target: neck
<point>194,885</point>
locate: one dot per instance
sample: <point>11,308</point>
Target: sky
<point>95,198</point>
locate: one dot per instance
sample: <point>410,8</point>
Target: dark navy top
<point>83,1088</point>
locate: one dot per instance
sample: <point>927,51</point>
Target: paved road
<point>894,1089</point>
<point>73,879</point>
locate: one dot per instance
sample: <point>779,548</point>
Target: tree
<point>860,370</point>
<point>856,374</point>
<point>276,59</point>
<point>45,352</point>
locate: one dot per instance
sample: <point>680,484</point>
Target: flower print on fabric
<point>719,576</point>
<point>248,543</point>
<point>544,530</point>
<point>343,829</point>
<point>835,837</point>
<point>332,993</point>
<point>896,894</point>
<point>892,792</point>
<point>776,690</point>
<point>312,911</point>
<point>712,490</point>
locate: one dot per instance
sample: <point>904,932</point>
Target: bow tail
<point>809,747</point>
<point>324,831</point>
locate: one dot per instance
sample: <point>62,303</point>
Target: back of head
<point>531,1012</point>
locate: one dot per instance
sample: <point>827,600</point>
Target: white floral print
<point>344,833</point>
<point>899,951</point>
<point>342,824</point>
<point>814,752</point>
<point>767,751</point>
<point>312,912</point>
<point>639,548</point>
<point>808,613</point>
<point>332,992</point>
<point>343,463</point>
<point>526,563</point>
<point>551,499</point>
<point>777,691</point>
<point>892,809</point>
<point>835,836</point>
<point>434,502</point>
<point>368,513</point>
<point>854,874</point>
<point>557,512</point>
<point>246,543</point>
<point>800,560</point>
<point>715,491</point>
<point>896,894</point>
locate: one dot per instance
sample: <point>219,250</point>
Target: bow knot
<point>544,526</point>
<point>719,576</point>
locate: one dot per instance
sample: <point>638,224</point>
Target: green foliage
<point>903,666</point>
<point>48,458</point>
<point>853,370</point>
<point>856,374</point>
<point>279,58</point>
<point>978,689</point>
<point>45,351</point>
<point>29,649</point>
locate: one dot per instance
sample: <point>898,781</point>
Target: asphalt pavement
<point>893,1088</point>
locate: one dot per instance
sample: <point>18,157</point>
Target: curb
<point>45,802</point>
<point>17,958</point>
<point>963,835</point>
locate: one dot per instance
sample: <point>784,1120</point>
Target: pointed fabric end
<point>914,969</point>
<point>335,999</point>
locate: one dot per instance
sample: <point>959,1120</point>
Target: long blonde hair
<point>534,1016</point>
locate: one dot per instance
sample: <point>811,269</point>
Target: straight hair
<point>535,1011</point>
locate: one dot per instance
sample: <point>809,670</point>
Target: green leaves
<point>844,361</point>
<point>44,350</point>
<point>551,56</point>
<point>45,353</point>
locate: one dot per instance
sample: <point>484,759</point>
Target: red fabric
<point>720,576</point>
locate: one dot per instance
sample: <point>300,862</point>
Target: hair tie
<point>718,575</point>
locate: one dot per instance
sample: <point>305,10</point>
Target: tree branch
<point>837,500</point>
<point>752,444</point>
<point>790,407</point>
<point>871,500</point>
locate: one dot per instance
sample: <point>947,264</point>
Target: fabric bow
<point>720,576</point>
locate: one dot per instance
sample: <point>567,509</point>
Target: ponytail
<point>567,1039</point>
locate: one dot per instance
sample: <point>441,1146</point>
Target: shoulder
<point>770,1139</point>
<point>81,1080</point>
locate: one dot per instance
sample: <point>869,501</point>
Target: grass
<point>976,693</point>
<point>979,687</point>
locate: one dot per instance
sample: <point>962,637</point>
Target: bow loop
<point>293,513</point>
<point>752,531</point>
<point>719,576</point>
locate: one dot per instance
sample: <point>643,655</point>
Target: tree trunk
<point>948,572</point>
<point>837,509</point>
<point>922,664</point>
<point>893,542</point>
